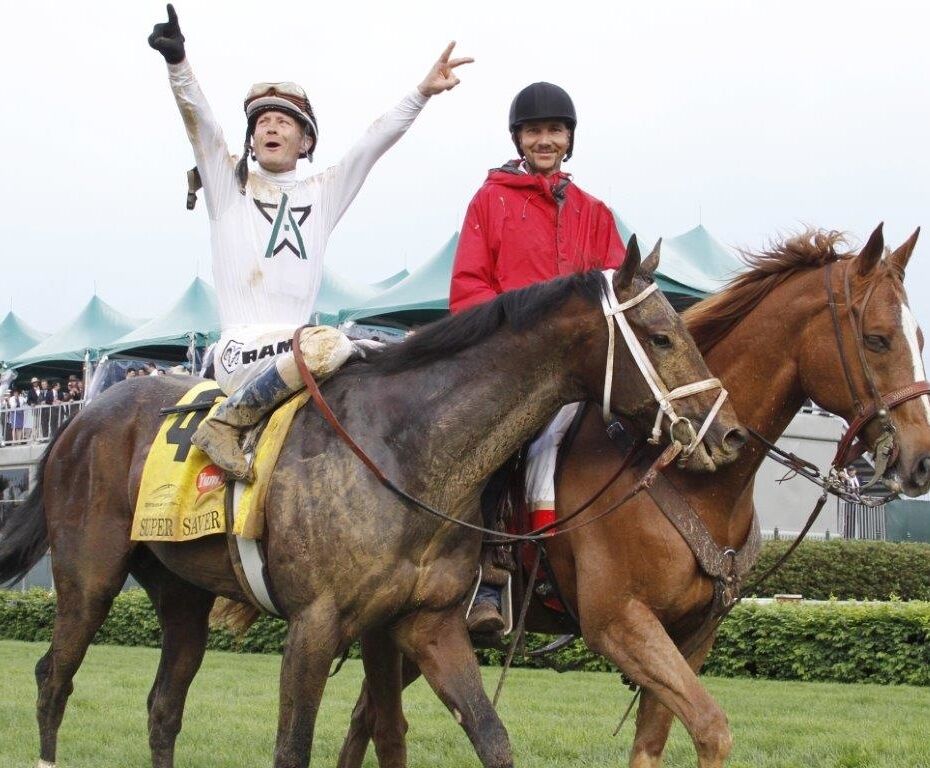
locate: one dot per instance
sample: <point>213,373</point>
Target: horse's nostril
<point>735,439</point>
<point>922,472</point>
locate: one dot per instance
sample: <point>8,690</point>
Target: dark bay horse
<point>630,578</point>
<point>438,413</point>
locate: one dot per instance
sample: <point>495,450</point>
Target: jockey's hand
<point>167,38</point>
<point>441,77</point>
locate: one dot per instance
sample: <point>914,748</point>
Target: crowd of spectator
<point>34,412</point>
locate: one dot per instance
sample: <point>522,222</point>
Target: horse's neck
<point>477,408</point>
<point>757,363</point>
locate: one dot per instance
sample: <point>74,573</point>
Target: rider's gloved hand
<point>167,38</point>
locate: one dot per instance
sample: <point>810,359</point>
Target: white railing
<point>858,521</point>
<point>33,423</point>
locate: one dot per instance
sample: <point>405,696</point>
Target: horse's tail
<point>24,531</point>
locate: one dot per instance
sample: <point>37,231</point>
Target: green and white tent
<point>192,320</point>
<point>336,294</point>
<point>15,338</point>
<point>420,297</point>
<point>97,325</point>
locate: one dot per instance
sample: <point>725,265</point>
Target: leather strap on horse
<point>496,537</point>
<point>844,450</point>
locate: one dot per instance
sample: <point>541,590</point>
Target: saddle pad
<point>182,495</point>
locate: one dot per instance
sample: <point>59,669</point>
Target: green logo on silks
<point>283,225</point>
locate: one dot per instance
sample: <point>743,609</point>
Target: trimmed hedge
<point>847,570</point>
<point>873,643</point>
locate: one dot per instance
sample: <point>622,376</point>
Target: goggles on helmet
<point>287,97</point>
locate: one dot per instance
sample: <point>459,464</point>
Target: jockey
<point>530,222</point>
<point>269,231</point>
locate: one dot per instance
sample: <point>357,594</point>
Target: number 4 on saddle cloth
<point>182,495</point>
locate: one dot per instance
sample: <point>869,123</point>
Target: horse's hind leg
<point>367,712</point>
<point>439,645</point>
<point>183,612</point>
<point>636,642</point>
<point>654,721</point>
<point>86,581</point>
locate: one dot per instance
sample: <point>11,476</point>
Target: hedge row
<point>874,642</point>
<point>848,570</point>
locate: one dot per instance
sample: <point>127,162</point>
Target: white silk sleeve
<point>217,168</point>
<point>342,182</point>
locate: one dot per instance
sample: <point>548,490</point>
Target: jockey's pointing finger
<point>457,62</point>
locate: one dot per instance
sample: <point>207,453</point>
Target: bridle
<point>680,427</point>
<point>880,406</point>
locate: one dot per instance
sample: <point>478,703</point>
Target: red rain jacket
<point>522,229</point>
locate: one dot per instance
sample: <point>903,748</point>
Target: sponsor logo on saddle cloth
<point>182,495</point>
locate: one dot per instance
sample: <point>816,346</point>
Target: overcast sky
<point>751,117</point>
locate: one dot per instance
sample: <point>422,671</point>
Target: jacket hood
<point>511,175</point>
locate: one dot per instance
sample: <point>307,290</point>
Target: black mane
<point>520,309</point>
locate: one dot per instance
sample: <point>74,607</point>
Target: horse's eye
<point>661,341</point>
<point>876,343</point>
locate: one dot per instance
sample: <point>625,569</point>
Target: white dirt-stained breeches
<point>541,459</point>
<point>244,354</point>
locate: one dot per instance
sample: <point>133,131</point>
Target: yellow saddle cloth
<point>182,495</point>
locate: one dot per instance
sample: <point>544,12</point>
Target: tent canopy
<point>16,337</point>
<point>423,295</point>
<point>195,313</point>
<point>691,264</point>
<point>96,326</point>
<point>337,293</point>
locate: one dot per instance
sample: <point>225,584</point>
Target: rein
<point>612,309</point>
<point>492,537</point>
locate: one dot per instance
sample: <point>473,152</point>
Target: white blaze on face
<point>909,325</point>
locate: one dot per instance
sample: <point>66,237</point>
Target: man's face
<point>279,141</point>
<point>544,144</point>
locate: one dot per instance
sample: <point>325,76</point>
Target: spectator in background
<point>17,415</point>
<point>131,373</point>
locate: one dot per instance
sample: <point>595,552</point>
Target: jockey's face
<point>279,141</point>
<point>544,144</point>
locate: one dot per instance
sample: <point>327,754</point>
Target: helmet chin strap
<point>680,428</point>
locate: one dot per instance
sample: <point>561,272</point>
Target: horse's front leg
<point>634,639</point>
<point>312,643</point>
<point>654,719</point>
<point>438,643</point>
<point>368,712</point>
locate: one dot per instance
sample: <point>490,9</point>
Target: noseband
<point>680,428</point>
<point>880,406</point>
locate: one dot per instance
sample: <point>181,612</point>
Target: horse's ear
<point>630,263</point>
<point>651,264</point>
<point>872,253</point>
<point>902,254</point>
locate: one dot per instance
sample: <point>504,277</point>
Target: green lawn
<point>554,720</point>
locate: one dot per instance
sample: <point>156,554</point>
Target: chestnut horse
<point>631,579</point>
<point>438,413</point>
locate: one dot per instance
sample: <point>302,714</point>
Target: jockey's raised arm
<point>269,232</point>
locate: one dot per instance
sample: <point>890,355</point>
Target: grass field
<point>554,720</point>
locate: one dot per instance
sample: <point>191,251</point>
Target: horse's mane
<point>520,309</point>
<point>712,319</point>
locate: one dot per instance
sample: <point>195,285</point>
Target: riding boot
<point>219,435</point>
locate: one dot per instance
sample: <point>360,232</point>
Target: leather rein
<point>613,310</point>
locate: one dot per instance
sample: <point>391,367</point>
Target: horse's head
<point>660,380</point>
<point>861,359</point>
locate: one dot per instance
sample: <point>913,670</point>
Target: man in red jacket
<point>529,222</point>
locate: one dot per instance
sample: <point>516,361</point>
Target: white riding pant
<point>541,459</point>
<point>244,353</point>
